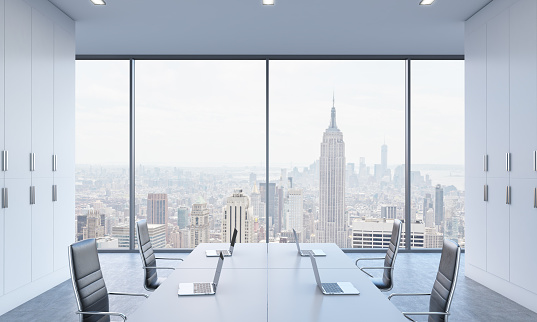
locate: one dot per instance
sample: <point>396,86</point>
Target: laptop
<point>202,288</point>
<point>305,252</point>
<point>339,288</point>
<point>225,252</point>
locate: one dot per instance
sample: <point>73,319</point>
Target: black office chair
<point>149,263</point>
<point>444,285</point>
<point>88,283</point>
<point>386,282</point>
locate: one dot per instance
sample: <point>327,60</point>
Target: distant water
<point>445,175</point>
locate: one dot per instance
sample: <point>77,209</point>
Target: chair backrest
<point>446,279</point>
<point>88,283</point>
<point>391,253</point>
<point>147,254</point>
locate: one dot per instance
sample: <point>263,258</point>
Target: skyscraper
<point>199,223</point>
<point>258,207</point>
<point>438,205</point>
<point>384,158</point>
<point>332,226</point>
<point>388,212</point>
<point>296,211</point>
<point>271,204</point>
<point>157,208</point>
<point>182,217</point>
<point>238,215</point>
<point>427,204</point>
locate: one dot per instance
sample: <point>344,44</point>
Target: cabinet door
<point>498,227</point>
<point>64,102</point>
<point>17,242</point>
<point>18,77</point>
<point>523,87</point>
<point>498,94</point>
<point>64,220</point>
<point>42,229</point>
<point>522,214</point>
<point>476,102</point>
<point>476,222</point>
<point>42,94</point>
<point>2,124</point>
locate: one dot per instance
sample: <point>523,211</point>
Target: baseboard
<point>511,291</point>
<point>27,292</point>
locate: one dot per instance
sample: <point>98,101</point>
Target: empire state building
<point>332,226</point>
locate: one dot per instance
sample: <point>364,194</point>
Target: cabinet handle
<point>32,195</point>
<point>4,198</point>
<point>32,161</point>
<point>54,162</point>
<point>485,162</point>
<point>508,195</point>
<point>508,161</point>
<point>534,160</point>
<point>485,193</point>
<point>4,160</point>
<point>54,193</point>
<point>534,197</point>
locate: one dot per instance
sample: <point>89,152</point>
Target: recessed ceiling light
<point>268,2</point>
<point>426,2</point>
<point>98,2</point>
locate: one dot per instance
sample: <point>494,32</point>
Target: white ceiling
<point>290,27</point>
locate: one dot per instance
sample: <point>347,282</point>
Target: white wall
<point>37,71</point>
<point>501,118</point>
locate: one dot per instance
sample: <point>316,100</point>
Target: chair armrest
<point>378,267</point>
<point>381,267</point>
<point>425,313</point>
<point>103,313</point>
<point>368,259</point>
<point>406,294</point>
<point>159,267</point>
<point>129,294</point>
<point>170,258</point>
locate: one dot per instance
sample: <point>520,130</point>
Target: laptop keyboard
<point>332,288</point>
<point>202,288</point>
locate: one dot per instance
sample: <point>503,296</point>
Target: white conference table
<point>278,285</point>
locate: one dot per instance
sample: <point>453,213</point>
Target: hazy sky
<point>196,113</point>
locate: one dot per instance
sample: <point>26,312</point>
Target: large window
<point>437,151</point>
<point>336,151</point>
<point>102,152</point>
<point>200,152</point>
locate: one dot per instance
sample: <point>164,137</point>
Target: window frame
<point>267,58</point>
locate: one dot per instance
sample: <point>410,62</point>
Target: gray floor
<point>414,273</point>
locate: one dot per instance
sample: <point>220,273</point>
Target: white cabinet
<point>523,82</point>
<point>37,62</point>
<point>1,145</point>
<point>476,98</point>
<point>18,93</point>
<point>64,220</point>
<point>522,219</point>
<point>42,95</point>
<point>64,103</point>
<point>42,231</point>
<point>17,235</point>
<point>497,115</point>
<point>476,222</point>
<point>501,255</point>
